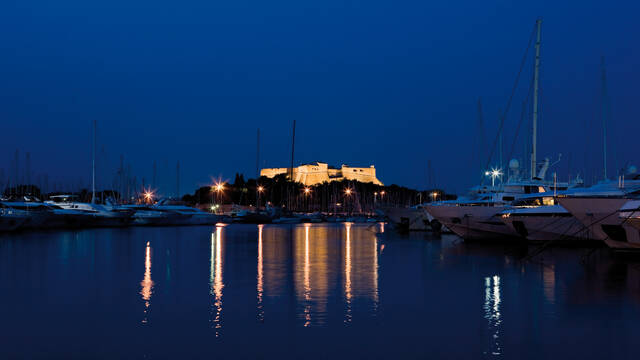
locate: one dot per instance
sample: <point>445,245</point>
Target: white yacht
<point>35,214</point>
<point>414,218</point>
<point>190,215</point>
<point>154,216</point>
<point>630,213</point>
<point>10,218</point>
<point>539,217</point>
<point>600,213</point>
<point>103,215</point>
<point>480,216</point>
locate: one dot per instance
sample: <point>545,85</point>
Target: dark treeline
<point>337,196</point>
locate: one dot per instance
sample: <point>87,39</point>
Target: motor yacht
<point>539,217</point>
<point>10,218</point>
<point>104,215</point>
<point>479,216</point>
<point>600,213</point>
<point>189,215</point>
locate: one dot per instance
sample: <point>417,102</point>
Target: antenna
<point>604,116</point>
<point>536,79</point>
<point>93,166</point>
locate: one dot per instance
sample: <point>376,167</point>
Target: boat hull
<point>411,219</point>
<point>481,223</point>
<point>600,217</point>
<point>547,228</point>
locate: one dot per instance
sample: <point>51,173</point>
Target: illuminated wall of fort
<point>312,174</point>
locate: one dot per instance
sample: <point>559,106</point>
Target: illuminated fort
<point>317,173</point>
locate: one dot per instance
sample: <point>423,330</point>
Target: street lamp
<point>260,190</point>
<point>148,196</point>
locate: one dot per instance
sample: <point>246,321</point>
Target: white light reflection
<point>307,278</point>
<point>375,273</point>
<point>260,279</point>
<point>348,292</point>
<point>146,284</point>
<point>492,314</point>
<point>549,283</point>
<point>215,279</point>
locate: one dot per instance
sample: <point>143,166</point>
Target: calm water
<point>319,291</point>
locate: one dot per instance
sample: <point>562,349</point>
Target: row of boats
<point>538,211</point>
<point>64,211</point>
<point>535,209</point>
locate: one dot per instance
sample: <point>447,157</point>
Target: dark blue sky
<point>390,83</point>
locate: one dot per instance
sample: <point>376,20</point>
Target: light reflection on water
<point>376,294</point>
<point>215,279</point>
<point>260,276</point>
<point>492,314</point>
<point>147,284</point>
<point>347,273</point>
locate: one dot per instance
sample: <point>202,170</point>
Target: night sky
<point>389,83</point>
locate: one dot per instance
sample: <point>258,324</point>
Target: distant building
<point>317,173</point>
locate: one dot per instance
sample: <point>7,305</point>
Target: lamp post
<point>259,190</point>
<point>307,193</point>
<point>219,187</point>
<point>347,193</point>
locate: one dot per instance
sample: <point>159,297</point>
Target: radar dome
<point>514,164</point>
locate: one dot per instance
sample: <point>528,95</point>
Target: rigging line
<point>513,91</point>
<point>584,227</point>
<point>522,117</point>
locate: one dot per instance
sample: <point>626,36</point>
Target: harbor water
<point>308,291</point>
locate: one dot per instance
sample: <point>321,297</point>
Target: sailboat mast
<point>93,166</point>
<point>258,155</point>
<point>293,146</point>
<point>536,76</point>
<point>604,116</point>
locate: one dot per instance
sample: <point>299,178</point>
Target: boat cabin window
<point>538,201</point>
<point>533,189</point>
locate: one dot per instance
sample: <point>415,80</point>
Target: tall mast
<point>154,179</point>
<point>481,153</point>
<point>536,76</point>
<point>604,116</point>
<point>258,155</point>
<point>178,180</point>
<point>293,147</point>
<point>93,166</point>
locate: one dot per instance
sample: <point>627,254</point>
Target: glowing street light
<point>260,189</point>
<point>307,191</point>
<point>494,173</point>
<point>347,191</point>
